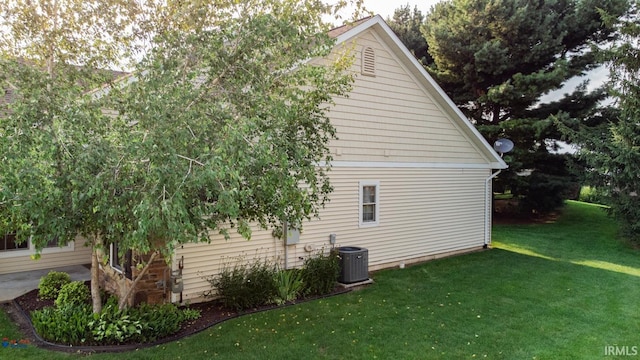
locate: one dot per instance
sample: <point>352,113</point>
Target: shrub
<point>591,195</point>
<point>244,287</point>
<point>289,285</point>
<point>67,324</point>
<point>51,284</point>
<point>157,321</point>
<point>114,326</point>
<point>75,293</point>
<point>75,324</point>
<point>320,273</point>
<point>190,314</point>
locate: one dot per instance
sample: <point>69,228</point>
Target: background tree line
<point>497,59</point>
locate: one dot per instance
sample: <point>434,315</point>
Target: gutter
<point>488,208</point>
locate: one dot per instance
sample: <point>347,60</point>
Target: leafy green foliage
<point>159,320</point>
<point>320,273</point>
<point>289,285</point>
<point>246,286</point>
<point>591,194</point>
<point>50,284</point>
<point>114,326</point>
<point>190,314</point>
<point>75,324</point>
<point>213,131</point>
<point>68,324</point>
<point>496,60</point>
<point>73,293</point>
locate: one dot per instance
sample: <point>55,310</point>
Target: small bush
<point>157,321</point>
<point>591,195</point>
<point>74,293</point>
<point>190,314</point>
<point>289,285</point>
<point>320,274</point>
<point>114,326</point>
<point>75,324</point>
<point>51,284</point>
<point>244,287</point>
<point>67,324</point>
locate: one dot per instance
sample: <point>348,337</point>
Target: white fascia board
<point>403,165</point>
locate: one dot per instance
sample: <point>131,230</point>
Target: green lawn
<point>564,290</point>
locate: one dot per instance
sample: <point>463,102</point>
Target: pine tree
<point>612,149</point>
<point>496,59</point>
<point>406,25</point>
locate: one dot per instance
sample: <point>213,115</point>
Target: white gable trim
<point>442,99</point>
<point>404,165</point>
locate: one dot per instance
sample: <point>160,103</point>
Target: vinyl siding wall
<point>431,182</point>
<point>51,258</point>
<point>391,118</point>
<point>423,213</point>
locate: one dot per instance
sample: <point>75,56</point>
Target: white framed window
<point>121,265</point>
<point>369,203</point>
<point>9,247</point>
<point>8,243</point>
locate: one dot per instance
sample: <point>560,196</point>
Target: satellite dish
<point>503,145</point>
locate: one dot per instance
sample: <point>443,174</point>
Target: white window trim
<point>117,268</point>
<point>362,184</point>
<point>70,247</point>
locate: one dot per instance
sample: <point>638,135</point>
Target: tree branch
<point>124,300</point>
<point>190,159</point>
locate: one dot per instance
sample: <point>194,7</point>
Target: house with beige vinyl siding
<point>411,175</point>
<point>17,257</point>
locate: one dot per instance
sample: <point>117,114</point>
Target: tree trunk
<point>95,282</point>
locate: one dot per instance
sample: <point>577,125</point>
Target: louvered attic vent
<point>368,61</point>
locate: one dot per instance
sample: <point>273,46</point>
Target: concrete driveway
<point>16,284</point>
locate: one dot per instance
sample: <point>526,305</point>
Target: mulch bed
<point>211,313</point>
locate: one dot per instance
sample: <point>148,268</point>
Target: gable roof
<point>348,32</point>
<point>8,90</point>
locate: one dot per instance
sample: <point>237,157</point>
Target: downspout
<point>488,208</point>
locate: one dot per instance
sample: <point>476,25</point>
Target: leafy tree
<point>406,25</point>
<point>612,149</point>
<point>496,59</point>
<point>53,136</point>
<point>221,125</point>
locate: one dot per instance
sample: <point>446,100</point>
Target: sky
<point>385,8</point>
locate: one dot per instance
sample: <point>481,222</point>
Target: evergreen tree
<point>613,149</point>
<point>496,59</point>
<point>406,25</point>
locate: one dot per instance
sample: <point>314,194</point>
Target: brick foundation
<point>152,288</point>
